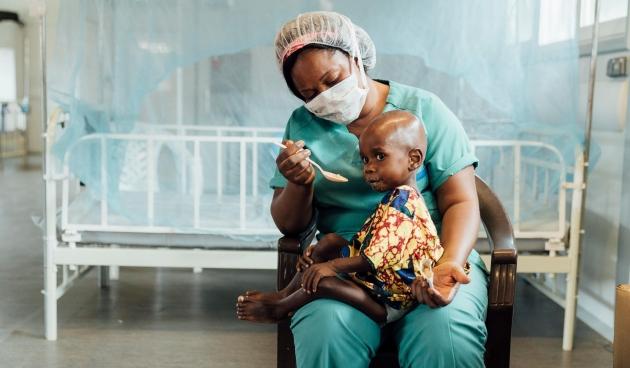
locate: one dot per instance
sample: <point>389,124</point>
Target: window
<point>609,10</point>
<point>613,25</point>
<point>558,22</point>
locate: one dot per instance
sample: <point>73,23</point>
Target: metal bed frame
<point>556,251</point>
<point>66,246</point>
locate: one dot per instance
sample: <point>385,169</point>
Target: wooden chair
<point>500,291</point>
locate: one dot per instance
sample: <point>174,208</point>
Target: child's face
<point>386,165</point>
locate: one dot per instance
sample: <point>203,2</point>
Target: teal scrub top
<point>344,207</point>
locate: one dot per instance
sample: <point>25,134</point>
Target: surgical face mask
<point>341,103</point>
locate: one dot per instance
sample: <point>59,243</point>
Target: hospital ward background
<point>138,139</point>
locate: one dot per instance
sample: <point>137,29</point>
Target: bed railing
<point>524,182</point>
<point>539,180</point>
<point>192,139</point>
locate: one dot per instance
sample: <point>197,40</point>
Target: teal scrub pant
<point>329,333</point>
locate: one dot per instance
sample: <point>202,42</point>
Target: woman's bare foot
<point>259,308</point>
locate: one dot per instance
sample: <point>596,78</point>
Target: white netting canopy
<point>507,68</point>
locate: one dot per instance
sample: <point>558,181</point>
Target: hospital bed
<point>229,226</point>
<point>221,228</point>
<point>543,197</point>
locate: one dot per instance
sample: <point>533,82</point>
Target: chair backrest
<point>494,217</point>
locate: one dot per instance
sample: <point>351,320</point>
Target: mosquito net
<point>174,105</point>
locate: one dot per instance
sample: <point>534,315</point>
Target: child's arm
<point>351,264</point>
<point>327,248</point>
<point>316,272</point>
<point>391,226</point>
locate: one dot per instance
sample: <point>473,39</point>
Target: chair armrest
<point>288,252</point>
<point>290,245</point>
<point>501,239</point>
<point>289,248</point>
<point>502,282</point>
<point>295,244</point>
<point>496,221</point>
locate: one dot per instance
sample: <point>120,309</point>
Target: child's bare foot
<point>270,296</point>
<point>259,308</point>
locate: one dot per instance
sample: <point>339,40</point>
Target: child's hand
<point>305,261</point>
<point>446,279</point>
<point>315,273</point>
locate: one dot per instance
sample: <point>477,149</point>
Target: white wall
<point>601,243</point>
<point>623,253</point>
<point>31,31</point>
<point>604,253</point>
<point>34,122</point>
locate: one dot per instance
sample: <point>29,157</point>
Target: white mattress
<point>173,223</point>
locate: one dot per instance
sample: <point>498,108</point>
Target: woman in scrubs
<point>324,58</point>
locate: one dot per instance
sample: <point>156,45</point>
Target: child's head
<point>392,149</point>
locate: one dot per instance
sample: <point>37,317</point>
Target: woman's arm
<point>292,206</point>
<point>459,206</point>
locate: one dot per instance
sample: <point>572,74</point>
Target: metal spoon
<point>327,174</point>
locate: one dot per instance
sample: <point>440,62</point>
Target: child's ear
<point>415,159</point>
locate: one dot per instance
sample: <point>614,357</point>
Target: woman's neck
<point>374,105</point>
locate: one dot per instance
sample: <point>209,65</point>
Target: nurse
<point>324,58</point>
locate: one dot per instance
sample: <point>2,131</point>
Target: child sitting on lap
<point>398,242</point>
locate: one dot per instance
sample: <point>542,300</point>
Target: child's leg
<point>329,247</point>
<point>270,311</point>
<point>272,307</point>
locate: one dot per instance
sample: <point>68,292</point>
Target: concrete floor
<point>174,318</point>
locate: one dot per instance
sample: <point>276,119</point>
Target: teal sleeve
<point>449,149</point>
<point>277,180</point>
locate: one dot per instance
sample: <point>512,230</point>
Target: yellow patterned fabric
<point>394,240</point>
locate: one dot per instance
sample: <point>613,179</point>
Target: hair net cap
<point>324,28</point>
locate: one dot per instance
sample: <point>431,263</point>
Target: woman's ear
<point>415,159</point>
<point>356,63</point>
